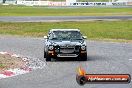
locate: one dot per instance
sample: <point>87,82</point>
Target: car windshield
<point>66,35</point>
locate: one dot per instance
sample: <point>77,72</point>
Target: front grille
<point>67,55</point>
<point>67,46</point>
<point>67,50</point>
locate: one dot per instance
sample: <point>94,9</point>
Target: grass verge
<point>45,11</point>
<point>2,65</point>
<point>6,62</point>
<point>93,29</point>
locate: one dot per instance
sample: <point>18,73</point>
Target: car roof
<point>64,30</point>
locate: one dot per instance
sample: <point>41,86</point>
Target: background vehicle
<point>65,43</point>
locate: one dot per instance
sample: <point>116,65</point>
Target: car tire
<point>44,54</point>
<point>84,58</point>
<point>48,58</point>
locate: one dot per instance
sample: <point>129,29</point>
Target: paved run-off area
<point>62,18</point>
<point>103,57</point>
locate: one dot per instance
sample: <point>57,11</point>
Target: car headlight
<point>83,47</point>
<point>51,47</point>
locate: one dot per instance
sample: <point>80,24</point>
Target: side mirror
<point>85,37</point>
<point>45,37</point>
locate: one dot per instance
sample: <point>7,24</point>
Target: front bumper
<point>53,54</point>
<point>67,55</point>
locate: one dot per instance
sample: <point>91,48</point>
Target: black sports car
<point>65,43</point>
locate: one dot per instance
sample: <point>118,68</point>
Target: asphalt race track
<point>60,18</point>
<point>103,57</point>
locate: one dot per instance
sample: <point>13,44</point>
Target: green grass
<point>45,11</point>
<point>2,65</point>
<point>93,30</point>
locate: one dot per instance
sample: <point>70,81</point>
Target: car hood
<point>67,42</point>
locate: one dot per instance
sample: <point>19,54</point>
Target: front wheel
<point>82,58</point>
<point>44,54</point>
<point>48,58</point>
